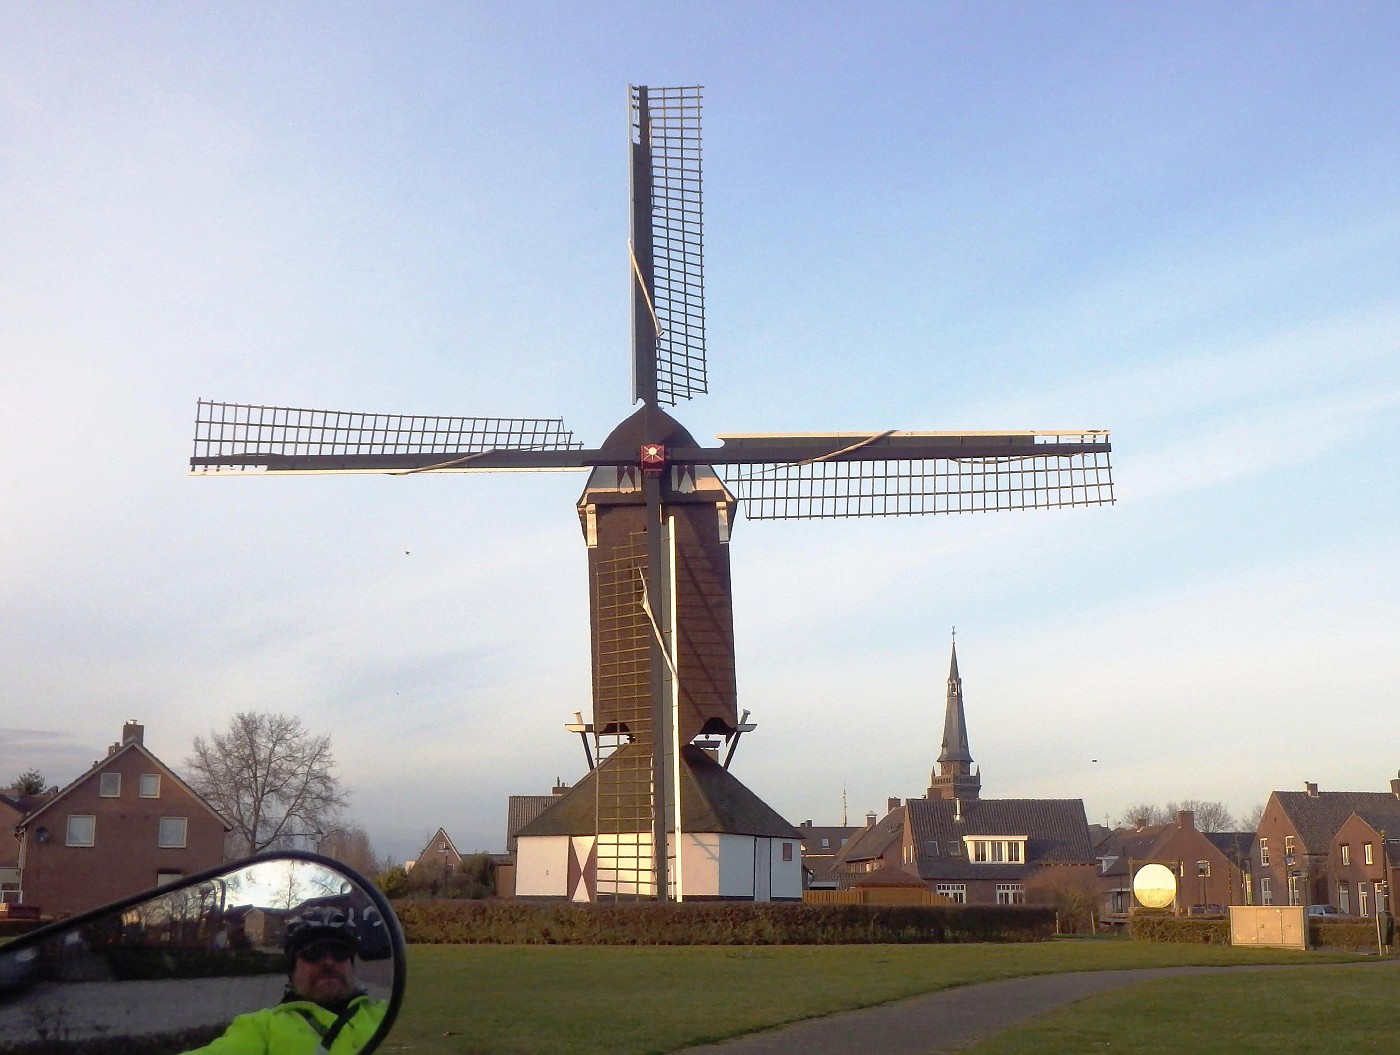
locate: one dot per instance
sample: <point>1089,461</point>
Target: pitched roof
<point>101,764</point>
<point>872,842</point>
<point>889,876</point>
<point>1236,846</point>
<point>450,848</point>
<point>712,800</point>
<point>1054,829</point>
<point>1317,817</point>
<point>520,811</point>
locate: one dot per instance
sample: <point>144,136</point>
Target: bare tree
<point>350,846</point>
<point>1250,818</point>
<point>1211,815</point>
<point>1142,815</point>
<point>270,778</point>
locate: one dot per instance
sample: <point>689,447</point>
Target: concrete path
<point>950,1019</point>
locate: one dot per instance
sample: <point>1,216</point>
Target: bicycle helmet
<point>323,923</point>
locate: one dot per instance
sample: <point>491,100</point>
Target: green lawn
<point>585,1000</point>
<point>1317,1011</point>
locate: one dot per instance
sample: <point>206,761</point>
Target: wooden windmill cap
<point>649,424</point>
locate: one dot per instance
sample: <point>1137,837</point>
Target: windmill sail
<point>907,474</point>
<point>239,437</point>
<point>668,302</point>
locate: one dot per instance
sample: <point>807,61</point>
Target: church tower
<point>954,777</point>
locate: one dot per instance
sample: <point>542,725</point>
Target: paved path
<point>950,1019</point>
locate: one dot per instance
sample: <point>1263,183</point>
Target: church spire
<point>954,777</point>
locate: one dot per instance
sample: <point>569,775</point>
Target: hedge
<point>715,923</point>
<point>1181,929</point>
<point>1354,935</point>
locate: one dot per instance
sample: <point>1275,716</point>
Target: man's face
<point>324,972</point>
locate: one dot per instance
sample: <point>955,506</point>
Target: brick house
<point>969,849</point>
<point>440,853</point>
<point>1365,856</point>
<point>1293,851</point>
<point>1208,867</point>
<point>126,825</point>
<point>820,845</point>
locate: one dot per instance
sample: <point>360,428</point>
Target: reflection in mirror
<point>283,953</point>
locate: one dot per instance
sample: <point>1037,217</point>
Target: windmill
<point>657,508</point>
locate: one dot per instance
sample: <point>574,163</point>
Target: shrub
<point>1180,929</point>
<point>1353,934</point>
<point>714,923</point>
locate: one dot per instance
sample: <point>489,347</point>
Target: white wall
<point>542,866</point>
<point>700,864</point>
<point>785,877</point>
<point>736,866</point>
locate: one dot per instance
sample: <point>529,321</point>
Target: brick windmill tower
<point>657,511</point>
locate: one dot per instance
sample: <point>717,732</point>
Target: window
<point>1294,893</point>
<point>909,855</point>
<point>787,851</point>
<point>1264,854</point>
<point>1363,905</point>
<point>1346,854</point>
<point>1203,868</point>
<point>1344,898</point>
<point>931,847</point>
<point>110,786</point>
<point>442,846</point>
<point>164,878</point>
<point>995,851</point>
<point>1288,846</point>
<point>1369,859</point>
<point>1011,894</point>
<point>150,785</point>
<point>82,830</point>
<point>172,832</point>
<point>957,892</point>
<point>826,844</point>
<point>1266,895</point>
<point>954,848</point>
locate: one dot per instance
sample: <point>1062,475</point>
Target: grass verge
<point>1318,1011</point>
<point>585,1000</point>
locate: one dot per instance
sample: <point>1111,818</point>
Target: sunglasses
<point>318,951</point>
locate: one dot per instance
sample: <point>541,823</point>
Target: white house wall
<point>736,866</point>
<point>700,863</point>
<point>784,877</point>
<point>741,867</point>
<point>542,866</point>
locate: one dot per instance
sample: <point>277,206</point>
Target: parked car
<point>1325,911</point>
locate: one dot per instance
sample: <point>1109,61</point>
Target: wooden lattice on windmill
<point>656,514</point>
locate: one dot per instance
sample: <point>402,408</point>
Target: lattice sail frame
<point>677,238</point>
<point>837,488</point>
<point>229,429</point>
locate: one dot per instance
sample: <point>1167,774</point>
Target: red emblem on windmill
<point>653,458</point>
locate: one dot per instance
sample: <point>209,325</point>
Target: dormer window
<point>999,850</point>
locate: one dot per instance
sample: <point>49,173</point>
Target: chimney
<point>805,824</point>
<point>957,809</point>
<point>559,787</point>
<point>133,732</point>
<point>870,819</point>
<point>1186,819</point>
<point>1395,788</point>
<point>1310,788</point>
<point>891,804</point>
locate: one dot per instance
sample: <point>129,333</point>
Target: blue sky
<point>1179,222</point>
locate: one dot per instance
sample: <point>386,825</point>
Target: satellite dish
<point>1154,886</point>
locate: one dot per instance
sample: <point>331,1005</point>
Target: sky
<point>1179,222</point>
